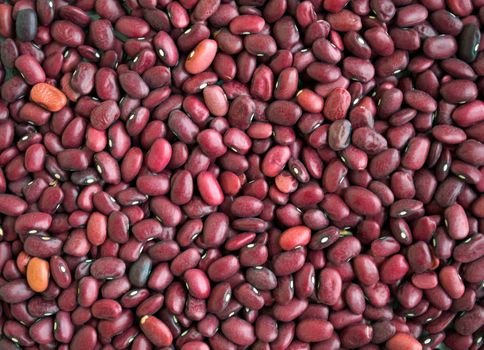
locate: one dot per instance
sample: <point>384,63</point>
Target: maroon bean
<point>108,268</point>
<point>30,69</point>
<point>60,271</point>
<point>67,33</point>
<point>16,291</point>
<point>238,331</point>
<point>275,160</point>
<point>440,47</point>
<point>223,268</point>
<point>366,270</point>
<point>362,201</point>
<point>330,285</point>
<point>465,252</point>
<point>356,336</point>
<point>260,45</point>
<point>42,246</point>
<point>249,296</point>
<point>369,140</point>
<point>393,269</point>
<point>197,283</point>
<point>355,298</point>
<point>165,48</point>
<point>392,64</point>
<point>290,311</point>
<point>314,330</point>
<point>472,271</point>
<point>405,207</point>
<point>13,89</point>
<point>262,278</point>
<point>323,72</point>
<point>358,69</point>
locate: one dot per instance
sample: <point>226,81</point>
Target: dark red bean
<point>330,286</point>
<point>108,268</point>
<point>440,47</point>
<point>16,291</point>
<point>238,331</point>
<point>314,330</point>
<point>362,201</point>
<point>394,269</point>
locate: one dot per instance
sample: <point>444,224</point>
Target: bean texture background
<point>241,174</point>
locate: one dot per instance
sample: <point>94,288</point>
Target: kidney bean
<point>262,278</point>
<point>369,140</point>
<point>393,269</point>
<point>108,268</point>
<point>324,73</point>
<point>295,237</point>
<point>156,331</point>
<point>159,155</point>
<point>440,47</point>
<point>42,246</point>
<point>215,100</point>
<point>16,291</point>
<point>249,296</point>
<point>471,272</point>
<point>451,282</point>
<point>223,268</point>
<point>238,331</point>
<point>378,294</point>
<point>38,274</point>
<point>468,322</point>
<point>329,286</point>
<point>219,297</point>
<point>266,328</point>
<point>409,296</point>
<point>403,341</point>
<point>355,298</point>
<point>465,252</point>
<point>139,271</point>
<point>358,69</point>
<point>362,201</point>
<point>106,309</point>
<point>469,40</point>
<point>48,97</point>
<point>290,311</point>
<point>26,24</point>
<point>356,336</point>
<point>201,57</point>
<point>314,330</point>
<point>30,69</point>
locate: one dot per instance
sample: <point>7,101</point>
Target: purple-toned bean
<point>329,286</point>
<point>314,330</point>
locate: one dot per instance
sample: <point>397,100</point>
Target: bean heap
<point>248,174</point>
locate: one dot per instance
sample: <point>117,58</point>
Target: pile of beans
<point>248,174</point>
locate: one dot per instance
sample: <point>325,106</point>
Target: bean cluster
<point>241,174</point>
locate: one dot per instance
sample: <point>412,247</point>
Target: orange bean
<point>296,236</point>
<point>403,341</point>
<point>38,274</point>
<point>48,97</point>
<point>201,57</point>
